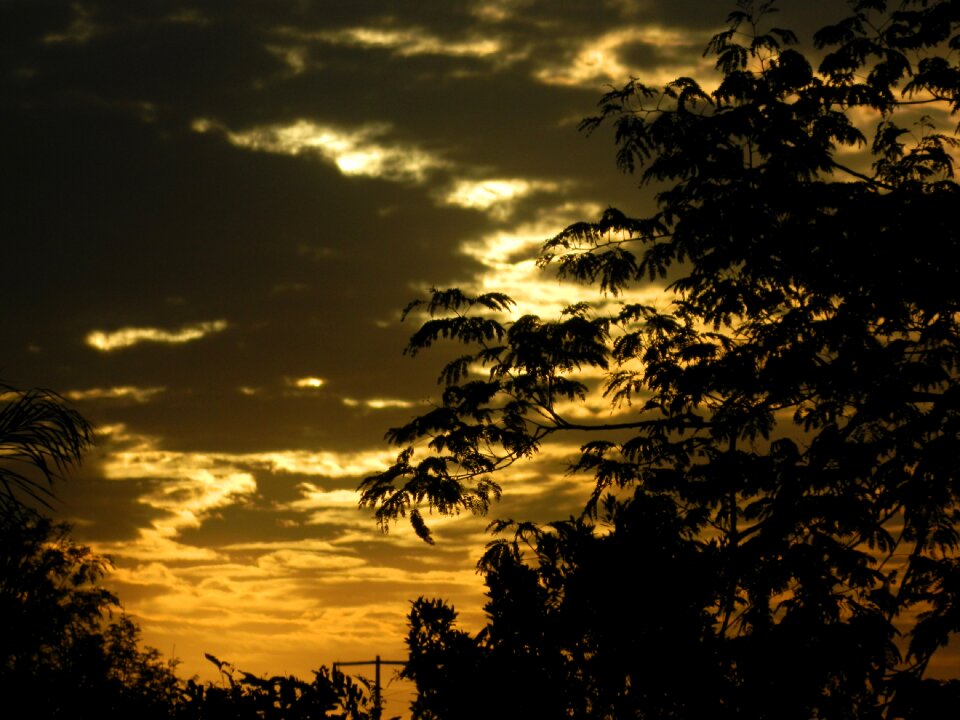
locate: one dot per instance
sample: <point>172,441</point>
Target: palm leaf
<point>39,438</point>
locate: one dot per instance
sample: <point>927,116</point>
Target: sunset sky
<point>213,214</point>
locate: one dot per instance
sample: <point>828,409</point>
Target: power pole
<point>377,700</point>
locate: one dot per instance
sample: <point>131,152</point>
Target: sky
<point>213,214</point>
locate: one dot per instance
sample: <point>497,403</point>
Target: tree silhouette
<point>66,650</point>
<point>62,654</point>
<point>580,631</point>
<point>243,695</point>
<point>789,414</point>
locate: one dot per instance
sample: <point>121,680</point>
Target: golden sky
<point>213,215</point>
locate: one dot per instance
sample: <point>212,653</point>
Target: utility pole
<point>377,700</point>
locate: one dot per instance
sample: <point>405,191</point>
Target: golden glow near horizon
<point>187,488</point>
<point>313,596</point>
<point>129,336</point>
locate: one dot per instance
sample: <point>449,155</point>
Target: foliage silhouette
<point>790,415</point>
<point>566,632</point>
<point>61,650</point>
<point>331,695</point>
<point>39,438</point>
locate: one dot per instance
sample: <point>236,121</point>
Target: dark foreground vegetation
<point>66,648</point>
<point>774,527</point>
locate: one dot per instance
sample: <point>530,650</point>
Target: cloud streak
<point>362,151</point>
<point>108,341</point>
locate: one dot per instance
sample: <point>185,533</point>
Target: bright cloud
<point>508,261</point>
<point>599,59</point>
<point>359,152</point>
<point>495,195</point>
<point>189,487</point>
<point>326,464</point>
<point>405,41</point>
<point>308,382</point>
<point>152,463</point>
<point>127,337</point>
<point>122,392</point>
<point>315,497</point>
<point>377,403</point>
<point>142,458</point>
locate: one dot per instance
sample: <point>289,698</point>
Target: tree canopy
<point>787,416</point>
<point>66,648</point>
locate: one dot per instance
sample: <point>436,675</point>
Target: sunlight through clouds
<point>360,151</point>
<point>600,60</point>
<point>189,487</point>
<point>127,337</point>
<point>495,195</point>
<point>140,457</point>
<point>508,258</point>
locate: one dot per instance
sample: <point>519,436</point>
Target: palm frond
<point>40,437</point>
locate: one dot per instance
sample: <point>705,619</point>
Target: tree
<point>566,632</point>
<point>791,411</point>
<point>39,438</point>
<point>62,653</point>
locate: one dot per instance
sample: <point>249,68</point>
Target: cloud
<point>407,42</point>
<point>284,561</point>
<point>315,497</point>
<point>153,463</point>
<point>307,382</point>
<point>358,152</point>
<point>129,336</point>
<point>79,32</point>
<point>122,392</point>
<point>498,195</point>
<point>600,59</point>
<point>507,263</point>
<point>378,403</point>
